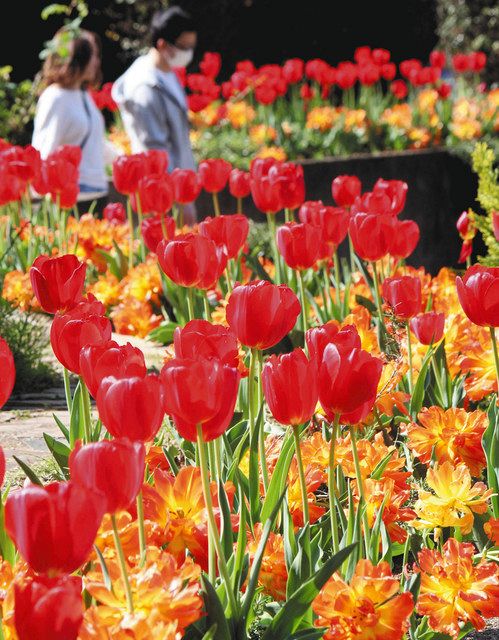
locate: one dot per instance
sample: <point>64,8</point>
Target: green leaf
<point>62,427</point>
<point>300,569</point>
<point>419,388</point>
<point>368,304</point>
<point>214,610</point>
<point>227,538</point>
<point>291,614</point>
<point>254,471</point>
<point>490,442</point>
<point>279,477</point>
<point>308,634</point>
<point>381,466</point>
<point>241,544</point>
<point>60,451</point>
<point>164,333</point>
<point>256,267</point>
<point>76,426</point>
<point>105,571</point>
<point>30,474</point>
<point>55,9</point>
<point>7,547</point>
<point>171,460</point>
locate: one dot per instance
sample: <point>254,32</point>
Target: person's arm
<point>51,125</point>
<point>149,118</point>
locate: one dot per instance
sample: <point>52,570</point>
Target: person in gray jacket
<point>151,99</point>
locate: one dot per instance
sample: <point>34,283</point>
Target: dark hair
<point>169,24</point>
<point>63,70</point>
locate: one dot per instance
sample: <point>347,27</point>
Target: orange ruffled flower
<point>163,593</point>
<point>273,574</point>
<point>129,535</point>
<point>18,291</point>
<point>478,361</point>
<point>369,608</point>
<point>491,528</point>
<point>453,435</point>
<point>134,318</point>
<point>313,480</point>
<point>379,491</point>
<point>453,591</point>
<point>454,499</point>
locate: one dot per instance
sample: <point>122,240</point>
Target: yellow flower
<point>454,499</point>
<point>18,291</point>
<point>261,133</point>
<point>355,119</point>
<point>427,100</point>
<point>143,282</point>
<point>400,115</point>
<point>277,153</point>
<point>419,137</point>
<point>321,118</point>
<point>106,289</point>
<point>239,113</point>
<point>134,318</point>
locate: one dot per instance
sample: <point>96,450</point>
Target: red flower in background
<point>131,407</point>
<point>115,213</point>
<point>192,260</point>
<point>290,388</point>
<point>399,89</point>
<point>83,324</point>
<point>333,221</point>
<point>200,392</point>
<point>239,183</point>
<point>301,245</point>
<point>54,526</point>
<point>438,59</point>
<point>395,190</point>
<point>345,189</point>
<point>7,373</point>
<point>289,178</point>
<point>186,185</point>
<point>155,193</point>
<point>478,292</point>
<point>261,313</point>
<point>214,174</point>
<point>155,161</point>
<point>48,608</point>
<point>157,228</point>
<point>292,70</point>
<point>461,62</point>
<point>371,235</point>
<point>318,338</point>
<point>477,61</point>
<point>57,282</point>
<point>211,64</point>
<point>428,327</point>
<point>200,338</point>
<point>127,171</point>
<point>229,232</point>
<point>97,361</point>
<point>113,468</point>
<point>403,294</point>
<point>404,239</point>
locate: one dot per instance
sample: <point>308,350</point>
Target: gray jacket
<point>153,115</point>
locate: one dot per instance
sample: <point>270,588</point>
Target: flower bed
<point>317,456</point>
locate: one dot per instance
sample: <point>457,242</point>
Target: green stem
<point>228,280</point>
<point>122,563</point>
<point>87,418</point>
<point>301,475</point>
<point>337,278</point>
<point>360,485</point>
<point>304,322</point>
<point>496,355</point>
<point>277,262</point>
<point>130,226</point>
<point>239,205</point>
<point>216,204</point>
<point>409,354</point>
<point>352,254</point>
<point>331,480</point>
<point>212,525</point>
<point>139,213</point>
<point>190,303</point>
<point>261,435</point>
<point>142,530</point>
<point>379,302</point>
<point>67,389</point>
<point>206,303</point>
<point>180,215</point>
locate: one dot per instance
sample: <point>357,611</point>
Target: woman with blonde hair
<point>66,113</point>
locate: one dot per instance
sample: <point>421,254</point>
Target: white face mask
<point>180,57</point>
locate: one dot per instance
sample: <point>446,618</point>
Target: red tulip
<point>239,183</point>
<point>155,161</point>
<point>461,62</point>
<point>380,56</point>
<point>7,372</point>
<point>292,70</point>
<point>478,292</point>
<point>345,189</point>
<point>261,313</point>
<point>396,190</point>
<point>407,67</point>
<point>68,152</point>
<point>388,71</point>
<point>438,59</point>
<point>127,171</point>
<point>371,235</point>
<point>115,213</point>
<point>214,174</point>
<point>300,245</point>
<point>377,203</point>
<point>200,338</point>
<point>399,89</point>
<point>318,338</point>
<point>348,382</point>
<point>477,61</point>
<point>333,221</point>
<point>98,361</point>
<point>131,407</point>
<point>186,185</point>
<point>155,193</point>
<point>444,90</point>
<point>48,608</point>
<point>266,194</point>
<point>495,224</point>
<point>290,387</point>
<point>346,76</point>
<point>113,468</point>
<point>466,226</point>
<point>405,238</point>
<point>362,54</point>
<point>289,178</point>
<point>229,232</point>
<point>54,527</point>
<point>157,228</point>
<point>67,197</point>
<point>403,294</point>
<point>57,282</point>
<point>260,167</point>
<point>466,251</point>
<point>83,324</point>
<point>368,74</point>
<point>200,392</point>
<point>192,260</point>
<point>211,64</point>
<point>428,327</point>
